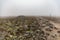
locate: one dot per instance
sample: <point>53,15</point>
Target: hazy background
<point>30,7</point>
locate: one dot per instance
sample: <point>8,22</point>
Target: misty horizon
<point>30,7</point>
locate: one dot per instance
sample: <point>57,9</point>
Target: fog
<point>30,7</point>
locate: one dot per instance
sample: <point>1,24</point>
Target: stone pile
<point>25,28</point>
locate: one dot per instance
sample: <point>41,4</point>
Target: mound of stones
<point>25,28</point>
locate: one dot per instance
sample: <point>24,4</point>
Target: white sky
<point>30,7</point>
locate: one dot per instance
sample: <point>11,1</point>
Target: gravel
<point>25,28</point>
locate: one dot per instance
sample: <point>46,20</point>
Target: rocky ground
<point>54,20</point>
<point>28,28</point>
